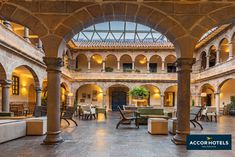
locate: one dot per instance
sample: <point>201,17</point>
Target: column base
<point>180,138</point>
<point>53,138</point>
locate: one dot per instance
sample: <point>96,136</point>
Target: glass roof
<point>119,31</point>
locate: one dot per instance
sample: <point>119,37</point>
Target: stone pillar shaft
<point>184,66</point>
<point>148,68</point>
<point>7,24</point>
<point>6,84</point>
<point>163,65</point>
<point>40,45</point>
<point>231,49</point>
<point>162,100</point>
<point>89,65</point>
<point>53,101</point>
<point>38,96</point>
<point>217,57</point>
<point>133,65</point>
<point>103,66</point>
<point>26,34</point>
<point>118,65</point>
<point>104,99</point>
<point>217,102</point>
<point>207,61</point>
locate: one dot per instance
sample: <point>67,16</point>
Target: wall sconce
<point>203,94</point>
<point>70,94</point>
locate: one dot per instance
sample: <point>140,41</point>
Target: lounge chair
<point>68,115</point>
<point>126,120</point>
<point>194,116</point>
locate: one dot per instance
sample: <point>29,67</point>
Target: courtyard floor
<point>99,138</point>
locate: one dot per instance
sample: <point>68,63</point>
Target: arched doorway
<point>154,98</point>
<point>170,96</point>
<point>22,91</point>
<point>126,63</point>
<point>81,63</point>
<point>96,63</point>
<point>203,60</point>
<point>212,54</point>
<point>140,63</point>
<point>207,95</point>
<point>117,96</point>
<point>224,50</point>
<point>155,64</point>
<point>89,94</point>
<point>226,91</point>
<point>169,61</point>
<point>111,63</point>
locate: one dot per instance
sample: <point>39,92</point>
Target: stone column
<point>7,24</point>
<point>162,100</point>
<point>6,84</point>
<point>53,101</point>
<point>163,66</point>
<point>148,68</point>
<point>184,66</point>
<point>217,102</point>
<point>231,46</point>
<point>133,65</point>
<point>89,65</point>
<point>38,96</point>
<point>118,65</point>
<point>217,56</point>
<point>103,66</point>
<point>207,61</point>
<point>26,34</point>
<point>104,99</point>
<point>40,45</point>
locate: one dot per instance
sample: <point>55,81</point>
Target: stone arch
<point>154,98</point>
<point>65,85</point>
<point>170,96</point>
<point>111,62</point>
<point>31,70</point>
<point>12,12</point>
<point>169,63</point>
<point>206,84</point>
<point>141,63</point>
<point>96,62</point>
<point>91,94</point>
<point>224,49</point>
<point>212,55</point>
<point>222,83</point>
<point>81,62</point>
<point>3,75</point>
<point>155,63</point>
<point>127,59</point>
<point>203,60</point>
<point>104,11</point>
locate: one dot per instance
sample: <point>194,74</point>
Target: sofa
<point>12,129</point>
<point>145,113</point>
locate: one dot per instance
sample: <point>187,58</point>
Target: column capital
<point>185,64</point>
<point>38,89</point>
<point>162,95</point>
<point>53,64</point>
<point>217,93</point>
<point>5,82</point>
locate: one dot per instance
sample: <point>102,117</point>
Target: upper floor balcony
<point>18,44</point>
<point>215,71</point>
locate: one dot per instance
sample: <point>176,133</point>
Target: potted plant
<point>193,103</point>
<point>108,69</point>
<point>139,93</point>
<point>231,107</point>
<point>137,70</point>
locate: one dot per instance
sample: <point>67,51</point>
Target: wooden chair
<point>40,111</point>
<point>194,113</point>
<point>126,120</point>
<point>68,115</point>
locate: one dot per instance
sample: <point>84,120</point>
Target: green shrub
<point>108,69</point>
<point>139,93</point>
